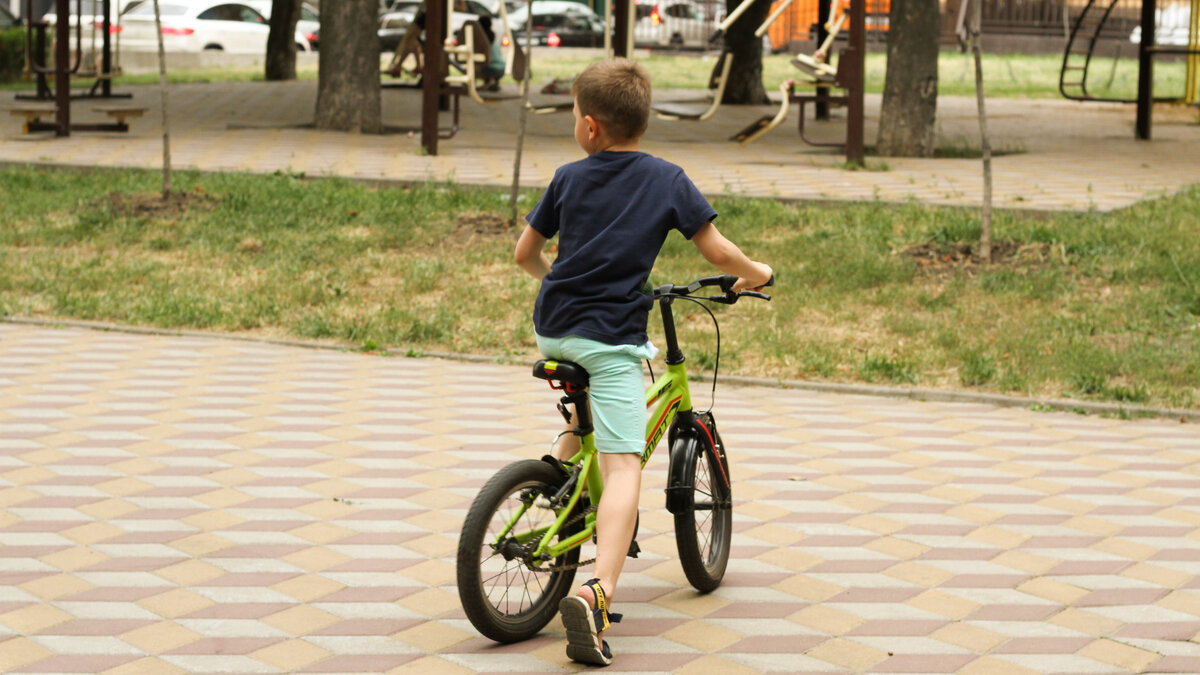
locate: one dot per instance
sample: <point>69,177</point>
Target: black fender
<point>690,436</point>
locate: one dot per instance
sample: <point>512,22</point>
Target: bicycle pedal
<point>634,549</point>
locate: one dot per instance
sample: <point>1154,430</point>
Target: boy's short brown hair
<point>617,93</point>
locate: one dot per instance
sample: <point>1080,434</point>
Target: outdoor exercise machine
<point>816,72</point>
<point>56,103</point>
<point>1081,46</point>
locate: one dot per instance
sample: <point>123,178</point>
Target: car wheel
<point>676,41</point>
<point>213,48</point>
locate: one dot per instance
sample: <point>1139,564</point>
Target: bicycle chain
<point>573,566</point>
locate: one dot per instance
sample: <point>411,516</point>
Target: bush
<point>12,53</point>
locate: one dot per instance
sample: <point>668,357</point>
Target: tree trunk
<point>985,143</point>
<point>908,117</point>
<point>162,90</point>
<point>281,42</point>
<point>745,76</point>
<point>348,70</point>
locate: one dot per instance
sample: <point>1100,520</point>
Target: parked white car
<point>673,23</point>
<point>92,12</point>
<point>231,27</point>
<point>309,24</point>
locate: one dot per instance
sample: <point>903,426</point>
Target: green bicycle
<point>520,542</point>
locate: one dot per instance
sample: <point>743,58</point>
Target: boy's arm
<point>728,258</point>
<point>529,255</point>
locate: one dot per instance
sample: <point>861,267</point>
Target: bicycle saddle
<point>563,371</point>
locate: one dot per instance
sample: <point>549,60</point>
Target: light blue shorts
<point>616,387</point>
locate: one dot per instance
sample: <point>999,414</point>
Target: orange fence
<point>799,21</point>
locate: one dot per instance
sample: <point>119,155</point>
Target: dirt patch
<point>486,224</point>
<point>152,204</point>
<point>935,257</point>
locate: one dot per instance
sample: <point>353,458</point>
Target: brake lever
<point>754,294</point>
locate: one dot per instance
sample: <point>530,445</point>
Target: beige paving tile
<point>702,636</point>
<point>848,654</point>
<point>1119,654</point>
<point>31,619</point>
<point>291,655</point>
<point>827,620</point>
<point>972,638</point>
<point>175,603</point>
<point>161,637</point>
<point>20,651</point>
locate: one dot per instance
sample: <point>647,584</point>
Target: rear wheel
<point>703,531</point>
<point>503,598</point>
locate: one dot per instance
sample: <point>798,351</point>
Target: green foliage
<point>12,53</point>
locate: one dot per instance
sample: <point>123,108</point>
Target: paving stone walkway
<point>206,505</point>
<point>1051,154</point>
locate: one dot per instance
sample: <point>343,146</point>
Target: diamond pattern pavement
<point>178,504</point>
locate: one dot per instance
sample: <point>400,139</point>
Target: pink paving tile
<point>370,594</point>
<point>41,526</point>
<point>951,553</point>
<point>96,626</point>
<point>1073,567</point>
<point>152,537</point>
<point>139,564</point>
<point>1043,645</point>
<point>923,663</point>
<point>375,565</point>
<point>653,663</point>
<point>268,525</point>
<point>898,627</point>
<point>76,663</point>
<point>1177,555</point>
<point>239,610</point>
<point>161,514</point>
<point>985,581</point>
<point>280,503</point>
<point>775,644</point>
<point>875,595</point>
<point>369,626</point>
<point>114,594</point>
<point>1014,612</point>
<point>29,552</point>
<point>255,579</point>
<point>1175,664</point>
<point>1109,597</point>
<point>914,508</point>
<point>226,645</point>
<point>60,502</point>
<point>938,530</point>
<point>836,540</point>
<point>853,566</point>
<point>481,645</point>
<point>274,551</point>
<point>18,578</point>
<point>395,515</point>
<point>361,663</point>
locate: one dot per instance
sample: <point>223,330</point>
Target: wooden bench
<point>33,113</point>
<point>120,112</point>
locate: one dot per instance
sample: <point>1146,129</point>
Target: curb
<point>911,393</point>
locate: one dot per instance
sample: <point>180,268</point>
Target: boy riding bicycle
<point>612,212</point>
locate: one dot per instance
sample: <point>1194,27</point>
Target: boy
<point>612,212</point>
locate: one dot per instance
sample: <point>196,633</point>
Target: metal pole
<point>431,84</point>
<point>106,51</point>
<point>62,79</point>
<point>822,107</point>
<point>854,106</point>
<point>1145,95</point>
<point>621,33</point>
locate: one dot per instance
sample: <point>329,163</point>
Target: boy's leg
<point>615,518</point>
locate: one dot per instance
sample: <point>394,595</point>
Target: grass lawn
<point>1093,306</point>
<point>1005,75</point>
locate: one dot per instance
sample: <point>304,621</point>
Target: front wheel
<point>505,599</point>
<point>703,531</point>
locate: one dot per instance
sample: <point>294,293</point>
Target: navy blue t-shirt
<point>612,212</point>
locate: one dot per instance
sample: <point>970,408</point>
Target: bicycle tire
<point>704,530</point>
<point>504,600</point>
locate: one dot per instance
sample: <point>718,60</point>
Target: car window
<point>644,11</point>
<point>477,9</point>
<point>307,14</point>
<point>249,15</point>
<point>147,9</point>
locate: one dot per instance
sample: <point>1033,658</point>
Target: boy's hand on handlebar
<point>766,276</point>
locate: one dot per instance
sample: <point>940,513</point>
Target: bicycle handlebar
<point>724,281</point>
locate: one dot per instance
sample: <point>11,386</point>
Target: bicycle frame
<point>669,395</point>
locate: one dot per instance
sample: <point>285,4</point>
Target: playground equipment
<point>818,73</point>
<point>1081,47</point>
<point>57,103</point>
